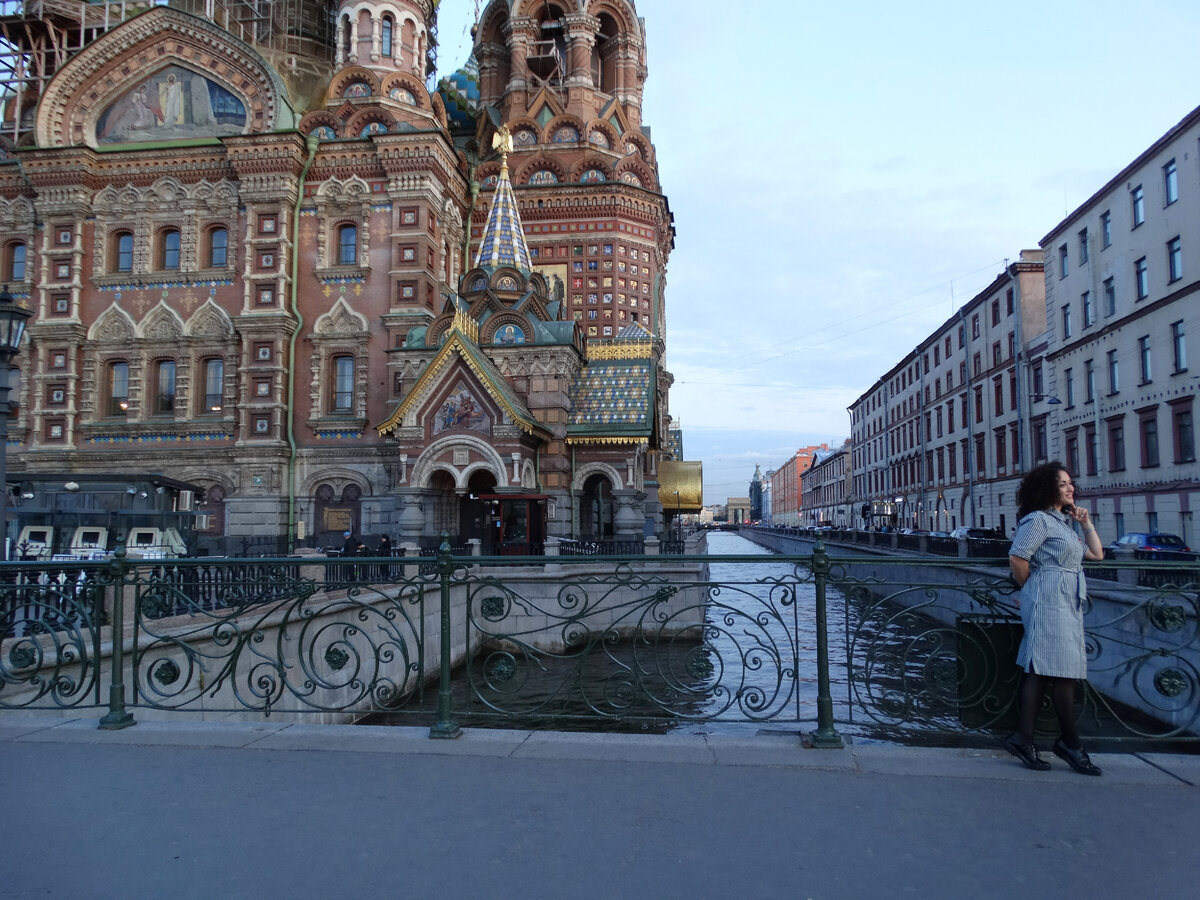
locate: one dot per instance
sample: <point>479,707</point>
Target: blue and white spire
<point>503,242</point>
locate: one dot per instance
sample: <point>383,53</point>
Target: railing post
<point>117,716</point>
<point>826,736</point>
<point>444,728</point>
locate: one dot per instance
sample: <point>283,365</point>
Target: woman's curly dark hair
<point>1039,488</point>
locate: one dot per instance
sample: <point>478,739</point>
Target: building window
<point>164,393</point>
<point>1089,312</point>
<point>1141,279</point>
<point>1182,429</point>
<point>16,261</point>
<point>1070,384</point>
<point>168,254</point>
<point>1144,358</point>
<point>978,403</point>
<point>1174,259</point>
<point>1110,297</point>
<point>1138,198</point>
<point>1089,380</point>
<point>218,248</point>
<point>118,388</point>
<point>1105,229</point>
<point>1178,347</point>
<point>1039,441</point>
<point>1008,302</point>
<point>1116,446</point>
<point>1148,424</point>
<point>1072,447</point>
<point>975,327</point>
<point>996,357</point>
<point>347,245</point>
<point>124,257</point>
<point>1001,449</point>
<point>1066,321</point>
<point>1062,261</point>
<point>343,384</point>
<point>998,396</point>
<point>1170,183</point>
<point>214,385</point>
<point>1114,372</point>
<point>1090,449</point>
<point>1083,246</point>
<point>385,37</point>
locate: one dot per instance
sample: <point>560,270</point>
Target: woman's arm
<point>1020,570</point>
<point>1091,540</point>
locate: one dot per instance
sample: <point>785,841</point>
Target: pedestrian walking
<point>1046,560</point>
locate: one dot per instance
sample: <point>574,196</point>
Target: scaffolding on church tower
<point>38,38</point>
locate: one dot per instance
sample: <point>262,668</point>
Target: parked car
<point>913,531</point>
<point>1153,540</point>
<point>971,534</point>
<point>939,534</point>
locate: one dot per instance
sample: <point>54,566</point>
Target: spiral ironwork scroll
<point>49,638</point>
<point>277,641</point>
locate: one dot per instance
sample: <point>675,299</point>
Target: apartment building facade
<point>1122,297</point>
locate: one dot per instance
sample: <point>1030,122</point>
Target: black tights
<point>1062,696</point>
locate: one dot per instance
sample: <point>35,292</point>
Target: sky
<point>843,177</point>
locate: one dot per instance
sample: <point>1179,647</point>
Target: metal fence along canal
<point>903,647</point>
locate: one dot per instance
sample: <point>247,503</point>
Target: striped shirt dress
<point>1053,598</point>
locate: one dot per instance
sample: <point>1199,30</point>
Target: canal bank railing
<point>913,649</point>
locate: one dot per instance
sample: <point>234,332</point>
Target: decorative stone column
<point>412,516</point>
<point>628,522</point>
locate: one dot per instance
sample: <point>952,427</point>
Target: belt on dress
<point>1080,588</point>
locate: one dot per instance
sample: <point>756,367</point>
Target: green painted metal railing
<point>898,648</point>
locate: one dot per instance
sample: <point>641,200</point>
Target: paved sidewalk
<point>204,809</point>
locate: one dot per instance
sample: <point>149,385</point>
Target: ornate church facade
<point>264,257</point>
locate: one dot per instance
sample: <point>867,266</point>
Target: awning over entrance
<point>685,477</point>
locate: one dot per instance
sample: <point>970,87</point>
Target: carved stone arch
<point>341,320</point>
<point>321,118</point>
<point>622,13</point>
<point>547,133</point>
<point>99,76</point>
<point>437,330</point>
<point>588,163</point>
<point>209,321</point>
<point>340,202</point>
<point>427,463</point>
<point>364,117</point>
<point>638,168</point>
<point>351,74</point>
<point>336,477</point>
<point>161,325</point>
<point>17,213</point>
<point>408,83</point>
<point>587,470</point>
<point>606,128</point>
<point>644,148</point>
<point>167,191</point>
<point>113,326</point>
<point>528,475</point>
<point>497,323</point>
<point>493,23</point>
<point>539,162</point>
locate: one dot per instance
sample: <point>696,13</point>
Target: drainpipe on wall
<point>291,363</point>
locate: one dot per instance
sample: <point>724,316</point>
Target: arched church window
<point>214,386</point>
<point>118,388</point>
<point>123,258</point>
<point>343,384</point>
<point>385,37</point>
<point>347,245</point>
<point>16,261</point>
<point>218,248</point>
<point>168,253</point>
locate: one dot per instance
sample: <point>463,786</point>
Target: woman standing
<point>1046,562</point>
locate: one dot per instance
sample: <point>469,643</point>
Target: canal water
<point>747,667</point>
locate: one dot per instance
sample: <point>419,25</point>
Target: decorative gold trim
<point>640,350</point>
<point>600,439</point>
<point>466,326</point>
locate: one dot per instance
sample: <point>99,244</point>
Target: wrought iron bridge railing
<point>899,648</point>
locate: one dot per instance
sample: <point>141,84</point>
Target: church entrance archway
<point>596,509</point>
<point>475,519</point>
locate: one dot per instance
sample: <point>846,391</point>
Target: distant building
<point>756,496</point>
<point>826,486</point>
<point>936,442</point>
<point>786,499</point>
<point>737,510</point>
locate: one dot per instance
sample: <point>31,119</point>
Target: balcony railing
<point>898,647</point>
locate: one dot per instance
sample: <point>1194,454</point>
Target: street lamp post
<point>678,521</point>
<point>12,329</point>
